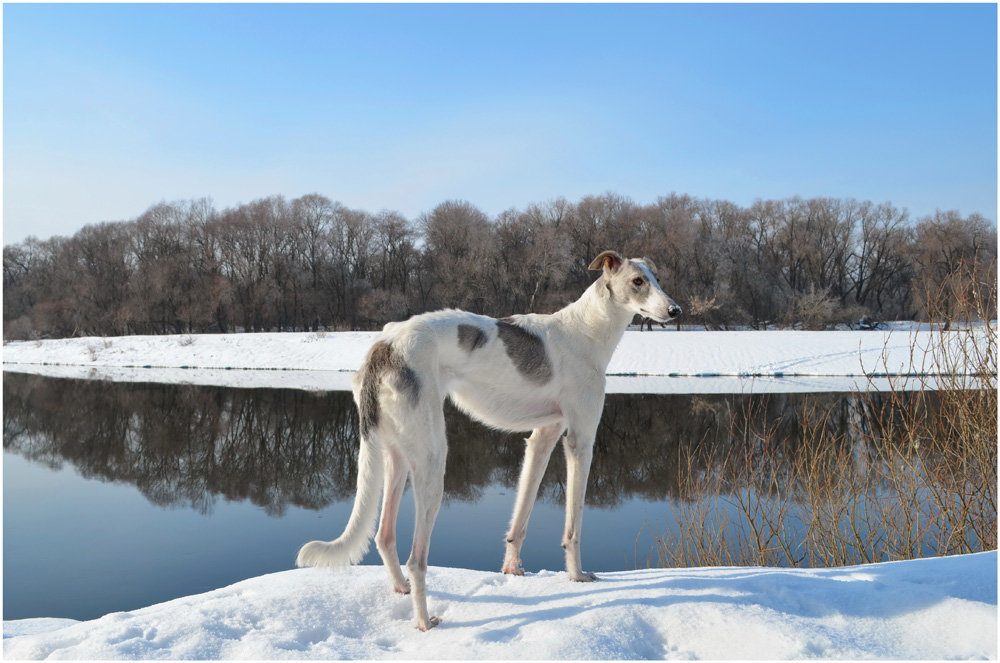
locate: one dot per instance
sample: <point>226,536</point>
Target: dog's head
<point>632,283</point>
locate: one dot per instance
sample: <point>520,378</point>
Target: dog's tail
<point>351,546</point>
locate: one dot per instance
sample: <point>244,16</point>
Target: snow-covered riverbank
<point>923,609</point>
<point>703,361</point>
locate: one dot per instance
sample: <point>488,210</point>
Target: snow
<point>34,626</point>
<point>708,362</point>
<point>931,608</point>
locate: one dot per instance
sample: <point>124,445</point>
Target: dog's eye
<point>638,281</point>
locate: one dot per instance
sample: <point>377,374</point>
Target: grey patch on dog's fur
<point>383,361</point>
<point>526,350</point>
<point>375,365</point>
<point>648,263</point>
<point>471,337</point>
<point>408,383</point>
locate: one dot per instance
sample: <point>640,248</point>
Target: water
<point>120,495</point>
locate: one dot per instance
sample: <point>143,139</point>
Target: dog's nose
<point>674,311</point>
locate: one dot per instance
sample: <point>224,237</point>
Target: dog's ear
<point>609,260</point>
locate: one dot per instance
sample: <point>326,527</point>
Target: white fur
<point>485,383</point>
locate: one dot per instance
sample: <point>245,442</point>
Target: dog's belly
<point>504,410</point>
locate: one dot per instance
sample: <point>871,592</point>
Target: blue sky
<point>111,108</point>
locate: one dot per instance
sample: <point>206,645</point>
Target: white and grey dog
<point>543,373</point>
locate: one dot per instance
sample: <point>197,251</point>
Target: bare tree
<point>949,250</point>
<point>532,256</point>
<point>880,275</point>
<point>458,243</point>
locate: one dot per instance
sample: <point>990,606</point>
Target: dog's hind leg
<point>538,449</point>
<point>385,539</point>
<point>428,491</point>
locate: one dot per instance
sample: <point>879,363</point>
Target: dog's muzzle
<point>671,312</point>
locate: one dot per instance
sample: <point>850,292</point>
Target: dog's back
<point>500,372</point>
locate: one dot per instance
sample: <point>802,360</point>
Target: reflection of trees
<point>187,445</point>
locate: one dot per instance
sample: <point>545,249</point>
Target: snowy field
<point>939,608</point>
<point>694,361</point>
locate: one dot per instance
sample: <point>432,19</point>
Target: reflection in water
<point>815,479</point>
<point>183,445</point>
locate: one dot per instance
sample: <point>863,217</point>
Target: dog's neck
<point>598,319</point>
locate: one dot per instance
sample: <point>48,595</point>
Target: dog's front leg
<point>537,450</point>
<point>579,452</point>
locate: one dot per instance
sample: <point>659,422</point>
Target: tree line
<point>311,264</point>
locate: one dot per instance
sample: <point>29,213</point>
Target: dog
<point>533,372</point>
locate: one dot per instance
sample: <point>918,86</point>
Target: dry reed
<point>888,475</point>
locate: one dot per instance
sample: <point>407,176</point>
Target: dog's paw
<point>513,569</point>
<point>583,576</point>
<point>402,589</point>
<point>429,624</point>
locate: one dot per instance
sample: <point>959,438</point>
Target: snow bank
<point>930,608</point>
<point>662,353</point>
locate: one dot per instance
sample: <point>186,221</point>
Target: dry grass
<point>909,473</point>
